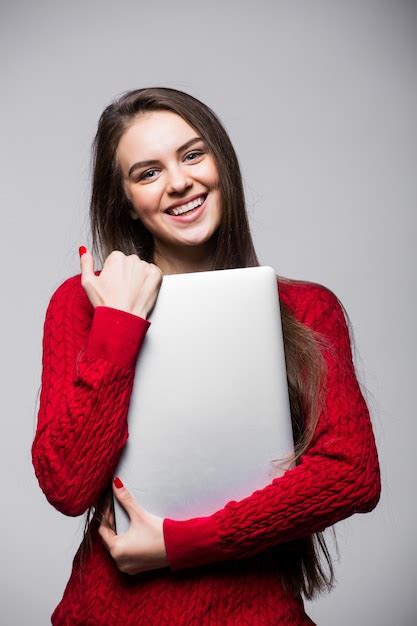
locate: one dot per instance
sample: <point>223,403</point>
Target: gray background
<point>319,99</point>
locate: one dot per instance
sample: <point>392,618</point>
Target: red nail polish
<point>118,482</point>
<point>82,250</point>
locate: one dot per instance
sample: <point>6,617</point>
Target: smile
<point>190,211</point>
<point>183,208</point>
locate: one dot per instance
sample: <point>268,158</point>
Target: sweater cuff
<point>192,542</point>
<point>116,336</point>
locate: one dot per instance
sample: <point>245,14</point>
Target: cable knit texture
<point>219,567</point>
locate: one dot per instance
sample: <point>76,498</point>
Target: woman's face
<point>181,170</point>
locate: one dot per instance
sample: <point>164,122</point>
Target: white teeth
<point>187,207</point>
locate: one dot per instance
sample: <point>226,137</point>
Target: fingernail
<point>118,482</point>
<point>82,250</point>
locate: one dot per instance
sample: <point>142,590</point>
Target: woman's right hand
<point>126,282</point>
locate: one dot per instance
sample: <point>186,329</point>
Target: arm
<point>88,367</point>
<point>336,477</point>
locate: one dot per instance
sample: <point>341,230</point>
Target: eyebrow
<point>139,164</point>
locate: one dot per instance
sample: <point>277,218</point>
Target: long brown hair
<point>298,562</point>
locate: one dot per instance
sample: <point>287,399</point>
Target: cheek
<point>212,172</point>
<point>130,194</point>
<point>147,205</point>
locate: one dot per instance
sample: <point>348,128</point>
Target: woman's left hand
<point>141,547</point>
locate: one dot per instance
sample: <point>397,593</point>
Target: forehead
<point>153,134</point>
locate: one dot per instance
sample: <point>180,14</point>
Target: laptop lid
<point>209,410</point>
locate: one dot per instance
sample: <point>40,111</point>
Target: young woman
<point>167,197</point>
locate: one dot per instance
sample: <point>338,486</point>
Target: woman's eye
<point>197,152</point>
<point>145,174</point>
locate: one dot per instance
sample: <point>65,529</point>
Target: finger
<point>108,536</point>
<point>86,263</point>
<point>110,517</point>
<point>125,498</point>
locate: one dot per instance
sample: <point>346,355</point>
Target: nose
<point>178,180</point>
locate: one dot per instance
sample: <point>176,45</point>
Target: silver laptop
<point>209,416</point>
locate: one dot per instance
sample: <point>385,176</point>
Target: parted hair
<point>299,563</point>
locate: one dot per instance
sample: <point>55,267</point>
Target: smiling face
<point>181,168</point>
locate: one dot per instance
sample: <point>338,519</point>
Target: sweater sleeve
<point>337,476</point>
<point>88,366</point>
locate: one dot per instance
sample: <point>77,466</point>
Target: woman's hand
<point>141,547</point>
<point>126,282</point>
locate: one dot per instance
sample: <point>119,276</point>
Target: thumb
<point>124,497</point>
<point>86,263</point>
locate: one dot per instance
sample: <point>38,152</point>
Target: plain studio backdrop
<point>319,99</point>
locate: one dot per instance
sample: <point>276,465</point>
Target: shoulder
<point>66,287</point>
<point>69,287</point>
<point>319,308</point>
<point>69,295</point>
<point>311,303</point>
<point>66,292</point>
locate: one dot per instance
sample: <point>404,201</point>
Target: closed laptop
<point>209,413</point>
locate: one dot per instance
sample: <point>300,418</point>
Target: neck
<point>182,259</point>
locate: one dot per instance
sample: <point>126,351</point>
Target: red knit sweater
<point>220,571</point>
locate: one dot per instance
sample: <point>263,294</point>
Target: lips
<point>175,205</point>
<point>192,216</point>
